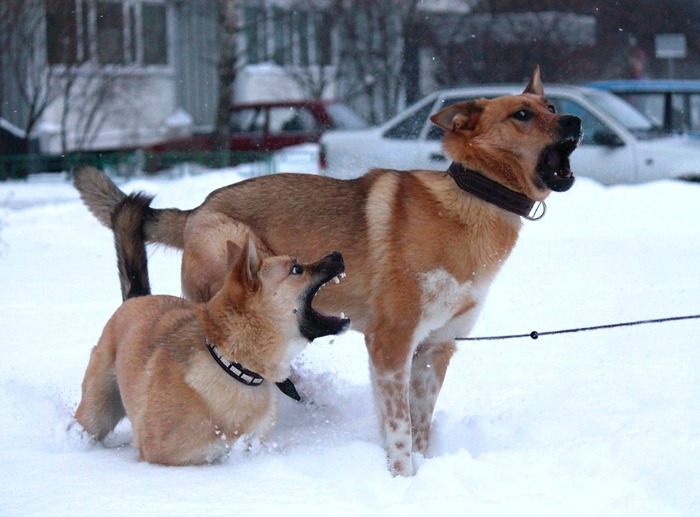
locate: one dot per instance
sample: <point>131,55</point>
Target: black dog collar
<point>233,368</point>
<point>493,192</point>
<point>246,376</point>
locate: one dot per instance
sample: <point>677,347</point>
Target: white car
<point>620,144</point>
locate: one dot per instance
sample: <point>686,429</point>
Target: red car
<point>267,126</point>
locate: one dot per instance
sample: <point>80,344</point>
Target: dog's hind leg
<point>427,375</point>
<point>101,407</point>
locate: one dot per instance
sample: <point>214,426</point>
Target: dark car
<point>674,104</point>
<point>266,126</point>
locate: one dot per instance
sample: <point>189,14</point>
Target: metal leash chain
<point>534,334</point>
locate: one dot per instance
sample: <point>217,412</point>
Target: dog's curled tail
<point>127,223</point>
<point>102,196</point>
<point>98,192</point>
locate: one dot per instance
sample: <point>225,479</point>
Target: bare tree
<point>44,72</point>
<point>4,47</point>
<point>377,57</point>
<point>311,34</point>
<point>88,91</point>
<point>24,49</point>
<point>227,22</point>
<point>621,28</point>
<point>313,80</point>
<point>372,51</point>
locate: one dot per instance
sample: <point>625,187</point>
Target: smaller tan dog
<point>193,378</point>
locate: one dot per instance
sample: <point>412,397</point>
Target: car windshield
<point>636,122</point>
<point>345,118</point>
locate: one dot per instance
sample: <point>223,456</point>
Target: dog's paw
<point>76,437</point>
<point>251,445</point>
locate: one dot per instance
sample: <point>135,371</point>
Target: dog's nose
<point>336,256</point>
<point>570,122</point>
<point>570,125</point>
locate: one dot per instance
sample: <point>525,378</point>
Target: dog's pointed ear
<point>254,259</point>
<point>535,84</point>
<point>233,252</point>
<point>244,263</point>
<point>460,116</point>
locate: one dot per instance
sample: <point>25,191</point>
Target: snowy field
<point>602,423</point>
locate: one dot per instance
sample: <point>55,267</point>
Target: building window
<point>256,40</point>
<point>61,32</point>
<point>281,45</point>
<point>303,37</point>
<point>108,32</point>
<point>154,34</point>
<point>287,38</point>
<point>322,26</point>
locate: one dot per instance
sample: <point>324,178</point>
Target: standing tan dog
<point>192,378</point>
<point>421,247</point>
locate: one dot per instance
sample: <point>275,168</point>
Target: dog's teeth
<point>342,315</point>
<point>336,279</point>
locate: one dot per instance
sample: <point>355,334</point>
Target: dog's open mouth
<point>554,168</point>
<point>313,323</point>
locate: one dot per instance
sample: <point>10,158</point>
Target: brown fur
<point>420,252</point>
<point>152,365</point>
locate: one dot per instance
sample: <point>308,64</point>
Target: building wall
<point>119,68</point>
<point>136,113</point>
<point>194,44</point>
<point>12,108</point>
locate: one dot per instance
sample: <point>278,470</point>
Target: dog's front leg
<point>391,371</point>
<point>427,375</point>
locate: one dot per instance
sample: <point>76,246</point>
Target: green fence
<point>126,163</point>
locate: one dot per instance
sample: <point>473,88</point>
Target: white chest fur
<point>449,308</point>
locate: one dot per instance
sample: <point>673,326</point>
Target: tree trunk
<point>227,12</point>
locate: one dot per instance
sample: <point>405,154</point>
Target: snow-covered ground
<point>602,423</point>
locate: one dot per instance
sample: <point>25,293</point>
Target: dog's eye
<point>522,115</point>
<point>296,270</point>
<point>552,108</point>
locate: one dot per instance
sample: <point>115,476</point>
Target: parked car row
<point>624,142</point>
<point>620,144</point>
<point>269,126</point>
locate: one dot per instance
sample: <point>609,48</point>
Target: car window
<point>292,119</point>
<point>591,124</point>
<point>622,111</point>
<point>685,108</point>
<point>694,107</point>
<point>410,127</point>
<point>651,104</point>
<point>679,113</point>
<point>685,114</point>
<point>248,120</point>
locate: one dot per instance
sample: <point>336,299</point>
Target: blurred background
<point>119,79</point>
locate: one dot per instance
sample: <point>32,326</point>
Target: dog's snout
<point>333,262</point>
<point>336,256</point>
<point>570,124</point>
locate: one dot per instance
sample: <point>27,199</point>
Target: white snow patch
<point>602,423</point>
